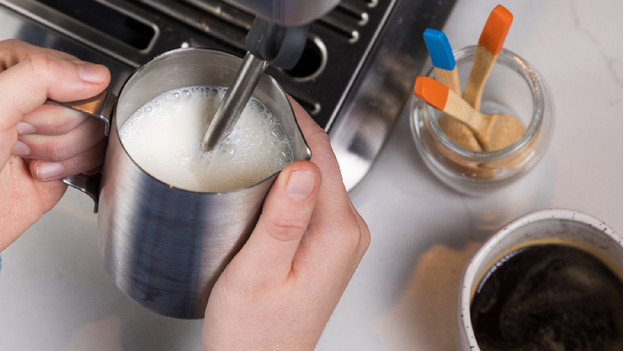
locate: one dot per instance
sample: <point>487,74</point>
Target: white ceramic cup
<point>552,225</point>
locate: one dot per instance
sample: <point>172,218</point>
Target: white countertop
<point>55,294</point>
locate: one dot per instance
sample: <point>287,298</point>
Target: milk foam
<point>163,137</point>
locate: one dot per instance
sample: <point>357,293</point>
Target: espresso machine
<point>354,75</point>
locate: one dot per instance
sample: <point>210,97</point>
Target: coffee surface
<point>548,297</point>
<point>164,138</point>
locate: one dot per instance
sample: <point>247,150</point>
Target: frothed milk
<point>163,137</point>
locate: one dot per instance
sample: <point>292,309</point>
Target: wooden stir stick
<point>490,44</point>
<point>446,72</point>
<point>493,132</point>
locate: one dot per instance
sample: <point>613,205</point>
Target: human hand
<point>279,291</point>
<point>41,143</point>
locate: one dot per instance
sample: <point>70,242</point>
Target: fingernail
<point>91,72</point>
<point>20,149</point>
<point>301,184</point>
<point>49,170</point>
<point>25,128</point>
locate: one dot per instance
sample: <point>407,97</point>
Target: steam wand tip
<point>234,101</point>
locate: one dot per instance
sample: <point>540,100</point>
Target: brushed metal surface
<point>287,12</point>
<point>234,101</point>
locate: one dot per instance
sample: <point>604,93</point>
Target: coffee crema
<point>164,138</point>
<point>548,297</point>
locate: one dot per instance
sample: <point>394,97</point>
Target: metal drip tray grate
<point>359,59</point>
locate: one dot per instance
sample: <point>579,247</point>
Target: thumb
<point>268,255</point>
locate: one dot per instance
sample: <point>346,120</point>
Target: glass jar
<point>513,87</point>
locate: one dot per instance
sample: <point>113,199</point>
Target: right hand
<point>281,288</point>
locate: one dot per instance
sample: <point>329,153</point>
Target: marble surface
<point>55,294</point>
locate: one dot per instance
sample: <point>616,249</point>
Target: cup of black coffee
<point>550,280</point>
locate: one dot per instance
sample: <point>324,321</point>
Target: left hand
<point>42,143</point>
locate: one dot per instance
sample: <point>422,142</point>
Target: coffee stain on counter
<point>426,311</point>
<point>99,335</point>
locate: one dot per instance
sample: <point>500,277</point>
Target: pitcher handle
<point>101,107</point>
<point>87,184</point>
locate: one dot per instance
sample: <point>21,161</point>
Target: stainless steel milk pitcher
<point>163,246</point>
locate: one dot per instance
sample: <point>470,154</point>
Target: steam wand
<point>267,43</point>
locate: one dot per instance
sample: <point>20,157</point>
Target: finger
<point>269,252</point>
<point>61,147</point>
<point>51,119</point>
<point>84,162</point>
<point>13,51</point>
<point>29,83</point>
